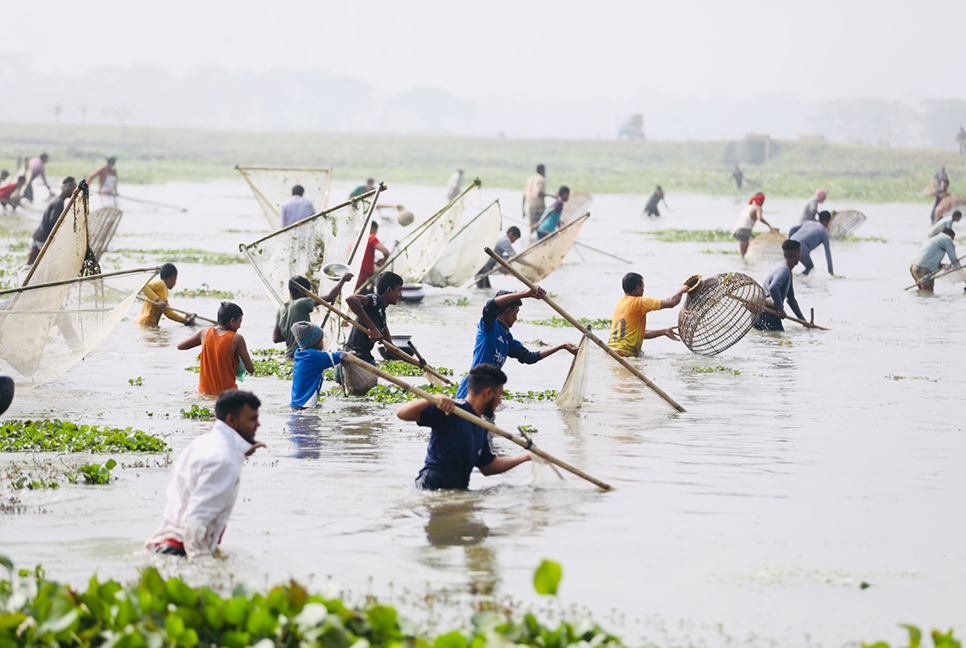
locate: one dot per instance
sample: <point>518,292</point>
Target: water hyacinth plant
<point>54,435</point>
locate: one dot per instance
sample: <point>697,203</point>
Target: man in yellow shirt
<point>628,326</point>
<point>156,293</point>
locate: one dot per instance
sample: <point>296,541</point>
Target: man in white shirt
<point>296,208</point>
<point>205,480</point>
<point>534,194</point>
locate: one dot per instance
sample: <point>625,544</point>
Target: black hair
<point>541,169</point>
<point>790,247</point>
<point>374,226</point>
<point>563,189</point>
<point>69,180</point>
<point>824,216</point>
<point>233,401</point>
<point>957,213</point>
<point>516,303</point>
<point>111,160</point>
<point>387,281</point>
<point>484,376</point>
<point>514,230</point>
<point>659,188</point>
<point>296,285</point>
<point>948,232</point>
<point>228,311</point>
<point>44,155</point>
<point>168,270</point>
<point>298,190</point>
<point>370,181</point>
<point>4,171</point>
<point>631,281</point>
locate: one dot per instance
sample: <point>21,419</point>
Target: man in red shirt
<point>369,262</point>
<point>10,193</point>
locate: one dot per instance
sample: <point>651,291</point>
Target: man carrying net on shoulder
<point>779,288</point>
<point>628,328</point>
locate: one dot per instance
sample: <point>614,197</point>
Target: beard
<point>489,408</point>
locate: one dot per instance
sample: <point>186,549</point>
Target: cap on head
<point>820,194</point>
<point>306,334</point>
<point>757,199</point>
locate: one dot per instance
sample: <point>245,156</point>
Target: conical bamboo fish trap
<point>719,311</point>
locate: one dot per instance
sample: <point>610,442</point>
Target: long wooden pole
<point>64,282</point>
<point>935,274</point>
<point>772,311</point>
<point>432,398</point>
<point>583,329</point>
<point>389,345</point>
<point>578,243</point>
<point>204,319</point>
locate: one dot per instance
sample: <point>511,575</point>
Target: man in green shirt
<point>299,309</point>
<point>361,189</point>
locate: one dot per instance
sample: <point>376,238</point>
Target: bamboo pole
<point>392,348</point>
<point>583,329</point>
<point>583,245</point>
<point>772,311</point>
<point>64,282</point>
<point>935,274</point>
<point>463,414</point>
<point>181,312</point>
<point>151,202</point>
<point>81,192</point>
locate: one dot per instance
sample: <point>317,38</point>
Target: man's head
<point>485,386</point>
<point>944,184</point>
<point>297,286</point>
<point>542,170</point>
<point>825,217</point>
<point>508,313</point>
<point>370,183</point>
<point>4,175</point>
<point>513,234</point>
<point>374,227</point>
<point>230,316</point>
<point>22,180</point>
<point>792,251</point>
<point>948,232</point>
<point>389,287</point>
<point>44,157</point>
<point>239,410</point>
<point>169,275</point>
<point>307,335</point>
<point>658,189</point>
<point>957,215</point>
<point>111,161</point>
<point>298,190</point>
<point>757,199</point>
<point>67,187</point>
<point>564,193</point>
<point>633,284</point>
<point>820,195</point>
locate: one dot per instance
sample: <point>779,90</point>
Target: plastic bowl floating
<point>334,271</point>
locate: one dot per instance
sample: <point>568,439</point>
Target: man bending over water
<point>779,288</point>
<point>456,446</point>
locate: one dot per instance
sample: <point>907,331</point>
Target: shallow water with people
<point>813,470</point>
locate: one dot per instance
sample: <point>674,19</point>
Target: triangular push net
<point>538,261</point>
<point>414,255</point>
<point>597,383</point>
<point>948,204</point>
<point>465,254</point>
<point>844,223</point>
<point>101,225</point>
<point>766,246</point>
<point>45,329</point>
<point>66,248</point>
<point>576,206</point>
<point>719,311</point>
<point>272,186</point>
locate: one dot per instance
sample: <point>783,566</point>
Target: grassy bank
<point>149,155</point>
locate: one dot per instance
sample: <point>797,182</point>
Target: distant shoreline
<point>149,155</point>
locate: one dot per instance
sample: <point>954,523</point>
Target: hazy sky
<point>684,48</point>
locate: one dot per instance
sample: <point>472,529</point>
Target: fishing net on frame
<point>356,381</point>
<point>948,204</point>
<point>66,248</point>
<point>766,246</point>
<point>719,311</point>
<point>464,255</point>
<point>844,223</point>
<point>539,260</point>
<point>273,186</point>
<point>576,206</point>
<point>415,254</point>
<point>598,383</point>
<point>45,329</point>
<point>101,225</point>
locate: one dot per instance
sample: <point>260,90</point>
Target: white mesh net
<point>766,246</point>
<point>46,329</point>
<point>464,255</point>
<point>62,256</point>
<point>844,223</point>
<point>597,382</point>
<point>273,186</point>
<point>576,206</point>
<point>539,260</point>
<point>413,256</point>
<point>952,275</point>
<point>101,226</point>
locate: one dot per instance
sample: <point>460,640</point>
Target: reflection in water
<point>352,432</point>
<point>455,521</point>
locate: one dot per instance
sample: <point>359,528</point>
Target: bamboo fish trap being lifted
<point>719,311</point>
<point>844,223</point>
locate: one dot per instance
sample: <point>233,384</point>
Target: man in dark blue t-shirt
<point>456,446</point>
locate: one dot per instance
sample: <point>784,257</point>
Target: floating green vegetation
<point>196,412</point>
<point>895,377</point>
<point>462,301</point>
<point>939,640</point>
<point>390,394</point>
<point>691,236</point>
<point>545,395</point>
<point>401,368</point>
<point>207,291</point>
<point>135,382</point>
<point>276,366</point>
<point>710,251</point>
<point>851,238</point>
<point>598,324</point>
<point>528,429</point>
<point>93,474</point>
<point>54,435</point>
<point>717,369</point>
<point>185,255</point>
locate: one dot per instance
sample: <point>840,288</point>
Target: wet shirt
<point>202,491</point>
<point>360,342</point>
<point>629,323</point>
<point>811,211</point>
<point>307,375</point>
<point>931,254</point>
<point>49,219</point>
<point>494,344</point>
<point>551,222</point>
<point>296,310</point>
<point>811,235</point>
<point>156,291</point>
<point>295,209</point>
<point>456,446</point>
<point>779,285</point>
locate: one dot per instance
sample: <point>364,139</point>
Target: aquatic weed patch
<point>710,251</point>
<point>54,435</point>
<point>716,369</point>
<point>185,255</point>
<point>391,394</point>
<point>207,291</point>
<point>462,301</point>
<point>401,368</point>
<point>197,412</point>
<point>597,324</point>
<point>851,238</point>
<point>691,236</point>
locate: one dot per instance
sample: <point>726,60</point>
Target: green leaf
<point>915,635</point>
<point>453,639</point>
<point>174,626</point>
<point>110,464</point>
<point>547,577</point>
<point>6,562</point>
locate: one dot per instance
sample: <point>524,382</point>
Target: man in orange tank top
<point>223,351</point>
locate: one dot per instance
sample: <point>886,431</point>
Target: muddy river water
<point>830,460</point>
